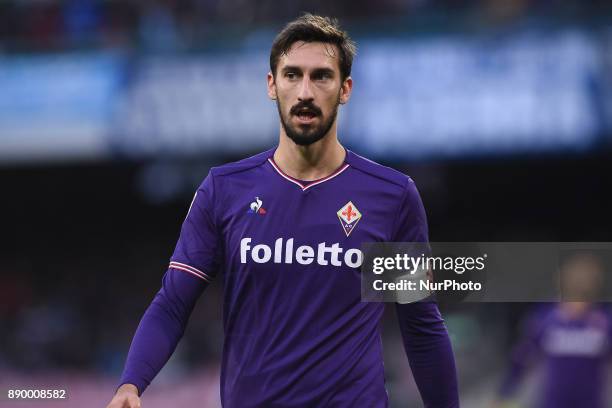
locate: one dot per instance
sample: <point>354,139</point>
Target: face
<point>308,88</point>
<point>582,278</point>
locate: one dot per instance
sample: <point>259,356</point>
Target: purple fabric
<point>161,328</point>
<point>426,340</point>
<point>296,331</point>
<point>429,353</point>
<point>574,353</point>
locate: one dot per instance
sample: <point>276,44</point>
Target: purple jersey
<point>296,332</point>
<point>574,352</point>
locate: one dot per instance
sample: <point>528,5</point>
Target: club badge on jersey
<point>349,216</point>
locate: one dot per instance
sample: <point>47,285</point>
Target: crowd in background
<point>52,25</point>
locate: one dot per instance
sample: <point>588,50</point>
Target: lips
<point>305,118</point>
<point>305,113</point>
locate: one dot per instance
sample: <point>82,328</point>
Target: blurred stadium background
<point>111,113</point>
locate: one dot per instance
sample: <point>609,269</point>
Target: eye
<point>291,75</point>
<point>322,76</point>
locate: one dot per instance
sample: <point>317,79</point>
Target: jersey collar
<point>310,184</point>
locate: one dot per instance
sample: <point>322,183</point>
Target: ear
<point>345,90</point>
<point>271,87</point>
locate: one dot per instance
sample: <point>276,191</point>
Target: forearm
<point>161,328</point>
<point>430,353</point>
<point>153,344</point>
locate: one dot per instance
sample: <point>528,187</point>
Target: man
<point>571,339</point>
<point>284,230</point>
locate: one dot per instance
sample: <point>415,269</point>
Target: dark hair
<point>312,28</point>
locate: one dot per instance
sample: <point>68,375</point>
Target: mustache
<point>305,105</point>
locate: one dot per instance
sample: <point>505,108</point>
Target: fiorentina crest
<point>349,216</point>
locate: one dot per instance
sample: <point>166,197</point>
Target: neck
<point>311,162</point>
<point>574,309</point>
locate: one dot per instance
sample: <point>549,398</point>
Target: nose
<point>305,93</point>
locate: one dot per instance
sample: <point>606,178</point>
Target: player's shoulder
<point>376,170</point>
<point>238,167</point>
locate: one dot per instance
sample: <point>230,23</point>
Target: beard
<point>305,135</point>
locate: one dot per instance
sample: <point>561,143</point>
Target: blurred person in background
<point>296,331</point>
<point>571,339</point>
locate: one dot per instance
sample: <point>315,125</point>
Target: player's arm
<point>192,267</point>
<point>158,333</point>
<point>424,334</point>
<point>161,328</point>
<point>429,352</point>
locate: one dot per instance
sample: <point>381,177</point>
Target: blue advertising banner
<point>428,97</point>
<point>57,107</point>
